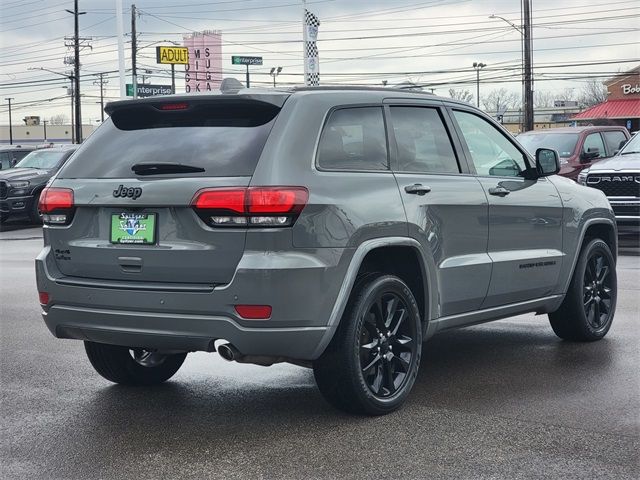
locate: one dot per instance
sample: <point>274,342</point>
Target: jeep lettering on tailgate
<point>131,192</point>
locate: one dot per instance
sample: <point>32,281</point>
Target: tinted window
<point>423,141</point>
<point>225,139</point>
<point>354,139</point>
<point>19,155</point>
<point>5,160</point>
<point>563,143</point>
<point>592,142</point>
<point>613,141</point>
<point>491,152</point>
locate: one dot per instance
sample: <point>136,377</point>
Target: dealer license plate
<point>133,228</point>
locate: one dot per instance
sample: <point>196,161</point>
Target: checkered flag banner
<point>311,61</point>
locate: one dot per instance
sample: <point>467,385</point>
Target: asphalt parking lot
<point>501,400</point>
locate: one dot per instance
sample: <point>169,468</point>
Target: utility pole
<point>10,125</point>
<point>76,68</point>
<point>102,82</point>
<point>528,65</point>
<point>44,122</point>
<point>134,47</point>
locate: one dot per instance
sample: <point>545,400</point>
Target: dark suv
<point>12,154</point>
<point>334,228</point>
<point>20,187</point>
<point>578,147</point>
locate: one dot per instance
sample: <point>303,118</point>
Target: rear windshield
<point>563,143</point>
<point>225,139</point>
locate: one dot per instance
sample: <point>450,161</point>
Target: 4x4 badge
<point>131,192</point>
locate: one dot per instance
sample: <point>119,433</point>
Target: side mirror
<point>590,154</point>
<point>547,162</point>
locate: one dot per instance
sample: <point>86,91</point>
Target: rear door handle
<point>417,189</point>
<point>499,191</point>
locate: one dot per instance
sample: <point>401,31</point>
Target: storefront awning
<point>615,109</point>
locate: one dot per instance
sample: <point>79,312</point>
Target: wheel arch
<point>603,228</point>
<point>386,255</point>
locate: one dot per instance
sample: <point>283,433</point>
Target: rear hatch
<point>134,180</point>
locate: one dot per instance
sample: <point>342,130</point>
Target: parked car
<point>12,154</point>
<point>334,228</point>
<point>619,179</point>
<point>578,147</point>
<point>20,187</point>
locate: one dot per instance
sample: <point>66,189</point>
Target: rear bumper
<point>178,332</point>
<point>301,286</point>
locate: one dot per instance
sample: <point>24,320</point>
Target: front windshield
<point>563,143</point>
<point>632,146</point>
<point>45,159</point>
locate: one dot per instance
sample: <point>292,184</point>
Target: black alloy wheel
<point>372,361</point>
<point>588,308</point>
<point>597,291</point>
<point>387,344</point>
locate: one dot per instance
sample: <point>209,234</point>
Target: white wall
<point>35,134</point>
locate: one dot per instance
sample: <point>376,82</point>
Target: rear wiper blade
<point>159,168</point>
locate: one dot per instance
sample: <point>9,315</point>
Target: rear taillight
<point>56,205</point>
<point>250,206</point>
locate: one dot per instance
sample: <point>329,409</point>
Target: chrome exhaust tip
<point>228,352</point>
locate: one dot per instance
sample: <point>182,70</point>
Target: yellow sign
<point>172,55</point>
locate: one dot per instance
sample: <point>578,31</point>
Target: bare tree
<point>568,94</point>
<point>543,99</point>
<point>60,119</point>
<point>462,95</point>
<point>592,93</point>
<point>500,100</point>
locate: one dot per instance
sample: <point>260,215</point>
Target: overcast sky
<point>429,42</point>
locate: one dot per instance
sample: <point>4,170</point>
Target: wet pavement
<point>502,400</point>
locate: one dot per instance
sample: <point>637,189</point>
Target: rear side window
<point>423,141</point>
<point>354,139</point>
<point>224,138</point>
<point>614,141</point>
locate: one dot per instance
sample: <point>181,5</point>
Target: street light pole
<point>478,66</point>
<point>8,99</point>
<point>275,71</point>
<point>527,64</point>
<point>70,90</point>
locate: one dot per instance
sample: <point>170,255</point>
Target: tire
<point>587,311</point>
<point>360,372</point>
<point>34,214</point>
<point>132,366</point>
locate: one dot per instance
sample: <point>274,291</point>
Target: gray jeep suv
<point>334,228</point>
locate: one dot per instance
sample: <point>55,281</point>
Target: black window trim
<point>529,161</point>
<point>327,117</point>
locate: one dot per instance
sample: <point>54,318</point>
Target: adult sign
<point>238,60</point>
<point>172,55</point>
